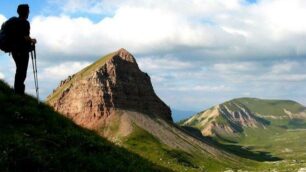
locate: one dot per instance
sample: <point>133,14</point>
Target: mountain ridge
<point>249,112</point>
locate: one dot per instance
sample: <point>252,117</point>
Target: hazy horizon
<point>197,53</point>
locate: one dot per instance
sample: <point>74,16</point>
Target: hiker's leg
<point>21,60</point>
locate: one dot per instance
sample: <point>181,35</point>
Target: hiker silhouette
<point>22,44</point>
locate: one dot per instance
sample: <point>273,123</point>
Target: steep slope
<point>114,98</point>
<point>114,82</point>
<point>35,138</point>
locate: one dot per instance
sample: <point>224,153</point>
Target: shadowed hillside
<point>35,138</point>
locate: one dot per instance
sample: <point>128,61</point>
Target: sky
<point>199,53</point>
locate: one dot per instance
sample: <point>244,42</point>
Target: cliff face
<point>114,82</point>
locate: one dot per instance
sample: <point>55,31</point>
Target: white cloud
<point>156,64</point>
<point>203,88</point>
<point>2,76</point>
<point>158,79</point>
<point>235,31</point>
<point>219,28</point>
<point>285,67</point>
<point>284,77</point>
<point>136,29</point>
<point>251,72</point>
<point>287,71</point>
<point>64,35</point>
<point>283,17</point>
<point>235,67</point>
<point>62,70</point>
<point>2,19</point>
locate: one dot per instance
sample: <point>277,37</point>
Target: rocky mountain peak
<point>125,55</point>
<point>112,83</point>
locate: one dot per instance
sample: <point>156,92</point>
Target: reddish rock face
<point>116,84</point>
<point>114,98</point>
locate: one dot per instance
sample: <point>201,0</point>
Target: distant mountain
<point>116,99</point>
<point>232,117</point>
<point>274,126</point>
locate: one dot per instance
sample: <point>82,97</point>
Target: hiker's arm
<point>27,34</point>
<point>33,41</point>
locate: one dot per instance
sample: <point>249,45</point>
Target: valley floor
<point>286,144</point>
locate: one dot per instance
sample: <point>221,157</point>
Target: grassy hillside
<point>287,144</point>
<point>270,107</point>
<point>35,138</point>
<point>152,148</point>
<point>275,111</point>
<point>146,145</point>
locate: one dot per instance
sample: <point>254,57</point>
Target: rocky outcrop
<point>114,82</point>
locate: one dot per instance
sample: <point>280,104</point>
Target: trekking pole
<point>34,65</point>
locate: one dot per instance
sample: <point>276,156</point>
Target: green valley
<point>276,128</point>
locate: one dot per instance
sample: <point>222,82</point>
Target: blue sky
<point>252,1</point>
<point>198,53</point>
<point>8,7</point>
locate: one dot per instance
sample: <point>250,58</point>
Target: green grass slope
<point>270,107</point>
<point>287,144</point>
<point>274,111</point>
<point>146,145</point>
<point>35,138</point>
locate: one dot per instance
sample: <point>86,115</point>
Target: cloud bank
<point>198,53</point>
<point>221,28</point>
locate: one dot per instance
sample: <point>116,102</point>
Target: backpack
<point>6,33</point>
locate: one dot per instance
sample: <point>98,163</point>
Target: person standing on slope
<point>22,44</point>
